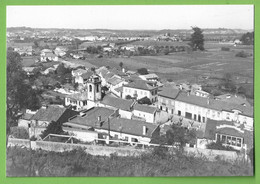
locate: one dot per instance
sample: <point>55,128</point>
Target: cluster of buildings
<point>107,106</point>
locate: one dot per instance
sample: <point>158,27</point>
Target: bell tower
<point>94,88</point>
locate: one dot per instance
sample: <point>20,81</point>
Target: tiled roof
<point>122,125</point>
<point>141,84</point>
<point>51,113</point>
<point>128,126</point>
<point>233,99</point>
<point>169,92</point>
<point>211,129</point>
<point>91,116</point>
<point>79,71</point>
<point>229,131</point>
<point>117,102</point>
<point>213,104</point>
<point>79,96</point>
<point>150,76</point>
<point>87,74</point>
<point>27,116</point>
<point>119,89</point>
<point>114,80</point>
<point>144,108</point>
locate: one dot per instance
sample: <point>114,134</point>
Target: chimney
<point>144,130</point>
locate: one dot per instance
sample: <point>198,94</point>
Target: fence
<point>91,149</point>
<point>121,151</point>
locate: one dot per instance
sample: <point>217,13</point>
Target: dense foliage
<point>20,94</point>
<point>219,146</point>
<point>22,162</point>
<point>248,38</point>
<point>197,39</point>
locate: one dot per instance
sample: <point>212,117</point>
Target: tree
<point>52,128</point>
<point>15,83</point>
<point>180,135</point>
<point>145,100</point>
<point>247,38</point>
<point>142,71</point>
<point>121,65</point>
<point>197,39</point>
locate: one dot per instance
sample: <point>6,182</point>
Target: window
<point>224,138</point>
<point>234,140</point>
<point>166,101</point>
<point>126,138</point>
<point>239,142</point>
<point>90,88</point>
<point>179,113</point>
<point>228,116</point>
<point>97,88</point>
<point>228,140</point>
<point>218,137</point>
<point>141,92</point>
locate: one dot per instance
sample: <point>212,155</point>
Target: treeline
<point>23,162</point>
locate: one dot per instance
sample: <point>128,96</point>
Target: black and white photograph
<point>129,90</point>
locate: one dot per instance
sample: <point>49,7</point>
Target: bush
<point>142,71</point>
<point>225,49</point>
<point>160,151</point>
<point>19,133</point>
<point>128,97</point>
<point>242,54</point>
<point>219,146</point>
<point>145,100</point>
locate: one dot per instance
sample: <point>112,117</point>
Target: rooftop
<point>144,108</point>
<point>116,124</point>
<point>117,102</point>
<point>169,92</point>
<point>214,104</point>
<point>141,84</point>
<point>51,113</point>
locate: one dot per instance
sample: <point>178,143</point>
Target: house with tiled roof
<point>44,116</point>
<point>145,112</point>
<point>107,121</point>
<point>139,89</point>
<point>129,109</point>
<point>48,55</point>
<point>229,133</point>
<point>200,109</point>
<point>166,97</point>
<point>149,77</point>
<point>124,106</point>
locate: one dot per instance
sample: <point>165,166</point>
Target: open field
<point>188,66</point>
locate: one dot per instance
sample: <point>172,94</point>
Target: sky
<point>140,17</point>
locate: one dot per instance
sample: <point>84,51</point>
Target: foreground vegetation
<point>22,162</point>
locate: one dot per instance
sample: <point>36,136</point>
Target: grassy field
<point>189,66</point>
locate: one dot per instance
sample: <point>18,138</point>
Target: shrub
<point>19,133</point>
<point>225,49</point>
<point>219,146</point>
<point>160,151</point>
<point>128,97</point>
<point>142,71</point>
<point>145,100</point>
<point>242,54</point>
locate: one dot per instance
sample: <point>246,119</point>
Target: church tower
<point>94,88</point>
